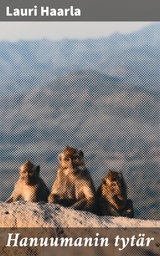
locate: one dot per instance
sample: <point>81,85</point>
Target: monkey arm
<point>56,198</point>
<point>111,210</point>
<point>58,192</point>
<point>129,211</point>
<point>9,200</point>
<point>14,197</point>
<point>106,208</point>
<point>42,191</point>
<point>53,196</point>
<point>16,194</point>
<point>87,201</point>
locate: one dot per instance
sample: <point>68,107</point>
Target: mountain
<point>135,58</point>
<point>115,124</point>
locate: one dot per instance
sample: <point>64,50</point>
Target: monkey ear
<point>109,175</point>
<point>20,167</point>
<point>120,174</point>
<point>59,158</point>
<point>38,168</point>
<point>80,153</point>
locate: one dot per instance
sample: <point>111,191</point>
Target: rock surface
<point>24,214</point>
<point>42,220</point>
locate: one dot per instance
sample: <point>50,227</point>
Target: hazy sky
<point>14,31</point>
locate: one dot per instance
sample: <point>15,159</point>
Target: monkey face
<point>71,158</point>
<point>29,173</point>
<point>115,184</point>
<point>72,162</point>
<point>116,187</point>
<point>112,196</point>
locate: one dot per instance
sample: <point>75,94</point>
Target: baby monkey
<point>29,186</point>
<point>112,196</point>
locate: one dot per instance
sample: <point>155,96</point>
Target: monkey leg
<point>112,211</point>
<point>92,206</point>
<point>107,209</point>
<point>53,198</point>
<point>79,205</point>
<point>85,205</point>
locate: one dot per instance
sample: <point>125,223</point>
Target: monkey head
<point>29,173</point>
<point>71,158</point>
<point>112,196</point>
<point>115,183</point>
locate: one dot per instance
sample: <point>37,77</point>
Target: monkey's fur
<point>29,185</point>
<point>73,185</point>
<point>112,196</point>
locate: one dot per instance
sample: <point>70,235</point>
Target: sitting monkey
<point>29,186</point>
<point>112,196</point>
<point>73,185</point>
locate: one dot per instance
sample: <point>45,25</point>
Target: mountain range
<point>134,57</point>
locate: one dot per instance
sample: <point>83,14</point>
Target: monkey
<point>73,186</point>
<point>112,196</point>
<point>29,185</point>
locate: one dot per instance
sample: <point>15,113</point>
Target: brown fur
<point>73,185</point>
<point>112,196</point>
<point>29,185</point>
